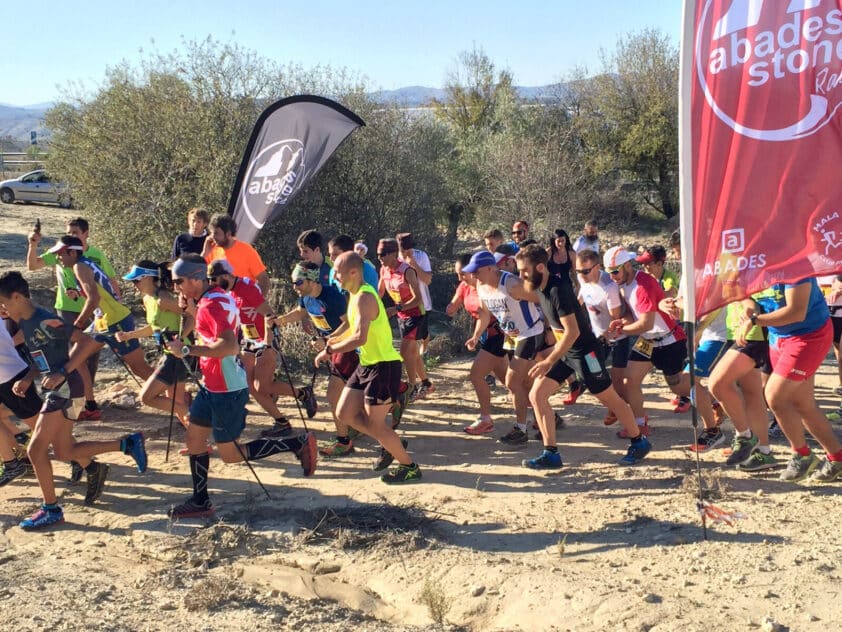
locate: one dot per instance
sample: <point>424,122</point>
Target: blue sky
<point>394,44</point>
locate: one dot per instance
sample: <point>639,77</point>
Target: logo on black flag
<point>291,141</point>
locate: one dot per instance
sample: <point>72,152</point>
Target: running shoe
<point>775,431</point>
<point>399,407</point>
<point>135,445</point>
<point>414,393</point>
<point>42,519</point>
<point>682,406</point>
<point>835,416</point>
<point>490,380</point>
<point>308,453</point>
<point>719,414</point>
<point>674,401</point>
<point>741,449</point>
<point>90,415</point>
<point>402,474</point>
<point>758,461</point>
<point>799,467</point>
<point>610,418</point>
<point>192,509</point>
<point>337,448</point>
<point>545,461</point>
<point>709,439</point>
<point>426,389</point>
<point>386,458</point>
<point>645,430</point>
<point>96,483</point>
<point>828,471</point>
<point>637,452</point>
<point>515,438</point>
<point>480,427</point>
<point>576,390</point>
<point>559,425</point>
<point>22,438</point>
<point>11,471</point>
<point>76,472</point>
<point>308,400</point>
<point>281,428</point>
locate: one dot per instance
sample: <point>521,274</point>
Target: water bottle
<point>100,322</point>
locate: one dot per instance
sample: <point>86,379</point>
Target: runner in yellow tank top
<point>374,386</point>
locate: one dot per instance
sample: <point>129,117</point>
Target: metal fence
<point>20,161</point>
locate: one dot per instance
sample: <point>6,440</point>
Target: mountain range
<point>17,121</point>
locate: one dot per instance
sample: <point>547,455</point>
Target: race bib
<point>643,347</point>
<point>320,322</point>
<point>40,361</point>
<point>250,332</point>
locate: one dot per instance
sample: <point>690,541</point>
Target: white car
<point>35,186</point>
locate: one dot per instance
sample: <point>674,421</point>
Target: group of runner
<point>545,317</point>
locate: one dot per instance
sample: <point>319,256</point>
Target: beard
<point>534,280</point>
<point>222,283</point>
<point>590,238</point>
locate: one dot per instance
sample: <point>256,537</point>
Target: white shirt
<point>583,244</point>
<point>423,262</point>
<point>512,314</point>
<point>599,299</point>
<point>11,364</point>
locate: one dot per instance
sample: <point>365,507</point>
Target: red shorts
<point>797,358</point>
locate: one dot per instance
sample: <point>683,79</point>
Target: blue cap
<point>138,273</point>
<point>479,260</point>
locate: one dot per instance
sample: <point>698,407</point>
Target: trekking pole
<point>277,347</point>
<point>174,390</point>
<point>694,419</point>
<point>122,362</point>
<point>192,374</point>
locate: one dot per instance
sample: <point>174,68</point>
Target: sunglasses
<point>178,281</point>
<point>584,270</point>
<point>380,255</point>
<point>614,272</point>
<point>298,282</point>
<point>517,232</point>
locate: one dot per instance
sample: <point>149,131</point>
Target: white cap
<point>615,257</point>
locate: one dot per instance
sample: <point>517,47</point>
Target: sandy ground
<point>481,542</point>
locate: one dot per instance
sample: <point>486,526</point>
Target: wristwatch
<point>753,319</point>
<point>328,350</point>
<point>185,350</point>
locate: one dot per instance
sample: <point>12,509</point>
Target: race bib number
<point>320,322</point>
<point>643,347</point>
<point>40,361</point>
<point>250,332</point>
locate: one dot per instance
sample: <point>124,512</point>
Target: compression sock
<point>263,447</point>
<point>90,404</point>
<point>199,465</point>
<point>836,456</point>
<point>92,467</point>
<point>803,450</point>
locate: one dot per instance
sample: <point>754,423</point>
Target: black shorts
<point>414,327</point>
<point>669,359</point>
<point>24,407</point>
<point>379,382</point>
<point>343,365</point>
<point>68,397</point>
<point>590,365</point>
<point>494,345</point>
<point>837,328</point>
<point>171,370</point>
<point>757,350</point>
<point>617,352</point>
<point>528,348</point>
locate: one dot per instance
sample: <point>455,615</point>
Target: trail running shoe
<point>545,461</point>
<point>828,471</point>
<point>426,389</point>
<point>757,461</point>
<point>308,453</point>
<point>281,428</point>
<point>835,416</point>
<point>775,431</point>
<point>386,458</point>
<point>490,380</point>
<point>637,452</point>
<point>42,519</point>
<point>308,400</point>
<point>136,447</point>
<point>682,406</point>
<point>76,472</point>
<point>192,509</point>
<point>576,390</point>
<point>515,438</point>
<point>709,439</point>
<point>402,474</point>
<point>741,449</point>
<point>11,471</point>
<point>645,430</point>
<point>337,449</point>
<point>90,415</point>
<point>480,427</point>
<point>96,483</point>
<point>799,467</point>
<point>414,393</point>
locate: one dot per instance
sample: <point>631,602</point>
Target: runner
<point>576,343</point>
<point>102,309</point>
<point>504,296</point>
<point>601,297</point>
<point>800,335</point>
<point>344,243</point>
<point>401,282</point>
<point>164,389</point>
<point>69,299</point>
<point>589,239</point>
<point>374,387</point>
<point>661,342</point>
<point>491,358</point>
<point>197,232</point>
<point>244,259</point>
<point>325,306</point>
<point>220,405</point>
<point>419,261</point>
<point>48,339</point>
<point>311,248</point>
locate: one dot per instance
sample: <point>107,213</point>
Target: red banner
<point>762,148</point>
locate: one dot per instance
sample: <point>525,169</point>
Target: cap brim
<point>645,258</point>
<point>58,247</point>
